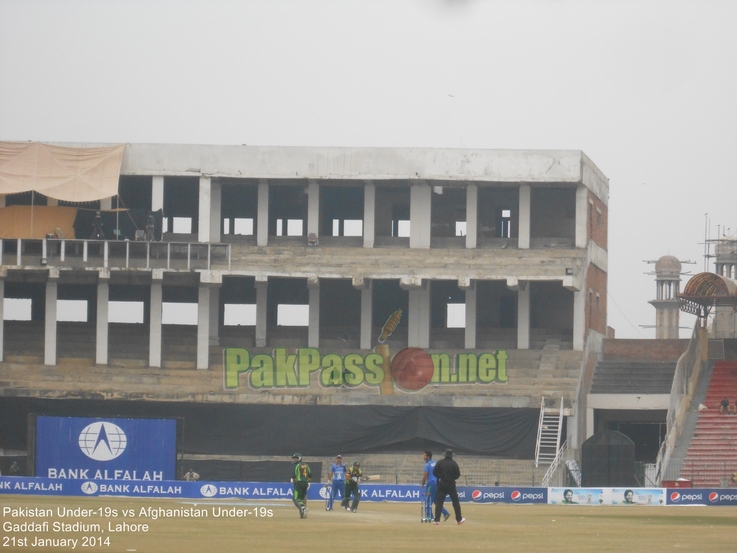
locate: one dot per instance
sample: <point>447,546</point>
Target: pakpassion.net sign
<point>410,369</point>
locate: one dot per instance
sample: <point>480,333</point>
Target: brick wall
<point>596,296</point>
<point>644,350</point>
<point>598,218</point>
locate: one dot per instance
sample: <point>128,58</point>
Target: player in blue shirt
<point>337,478</point>
<point>430,483</point>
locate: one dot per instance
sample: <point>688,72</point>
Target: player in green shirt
<point>352,478</point>
<point>301,476</point>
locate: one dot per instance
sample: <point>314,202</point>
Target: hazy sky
<point>647,89</point>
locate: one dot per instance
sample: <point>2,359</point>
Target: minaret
<point>724,324</point>
<point>726,257</point>
<point>668,284</point>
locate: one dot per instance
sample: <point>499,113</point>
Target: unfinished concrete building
<point>280,250</point>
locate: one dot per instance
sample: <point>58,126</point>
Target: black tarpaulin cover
<point>254,429</point>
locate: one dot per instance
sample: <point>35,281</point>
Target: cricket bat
<point>372,477</point>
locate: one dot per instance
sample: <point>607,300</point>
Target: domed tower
<point>668,284</point>
<point>725,317</point>
<point>726,257</point>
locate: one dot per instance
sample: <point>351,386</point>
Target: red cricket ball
<point>412,368</point>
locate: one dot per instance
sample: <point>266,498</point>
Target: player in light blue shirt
<point>337,479</point>
<point>430,482</point>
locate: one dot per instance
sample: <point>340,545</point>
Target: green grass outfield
<point>375,527</point>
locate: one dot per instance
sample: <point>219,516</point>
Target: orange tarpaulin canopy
<point>69,174</point>
<point>25,221</point>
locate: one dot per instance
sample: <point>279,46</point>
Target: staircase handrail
<point>560,425</point>
<point>685,378</point>
<point>554,465</point>
<point>539,431</point>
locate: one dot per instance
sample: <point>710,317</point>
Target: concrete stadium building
<point>278,284</point>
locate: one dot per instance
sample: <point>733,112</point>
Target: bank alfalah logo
<point>102,441</point>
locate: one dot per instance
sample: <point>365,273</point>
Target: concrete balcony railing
<point>122,254</point>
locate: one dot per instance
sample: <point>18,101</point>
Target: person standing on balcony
<point>97,233</point>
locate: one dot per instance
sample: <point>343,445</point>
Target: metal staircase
<point>548,434</point>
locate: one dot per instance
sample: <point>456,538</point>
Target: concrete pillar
<point>418,322</point>
<point>203,326</point>
<point>369,214</point>
<point>214,315</point>
<point>103,305</point>
<point>579,318</point>
<point>106,204</point>
<point>582,216</point>
<point>154,339</point>
<point>50,318</point>
<point>313,208</point>
<point>205,211</point>
<point>525,208</point>
<point>2,301</point>
<point>366,315</point>
<point>216,217</point>
<point>420,216</point>
<point>589,423</point>
<point>472,216</point>
<point>157,193</point>
<point>262,227</point>
<point>313,329</point>
<point>523,315</point>
<point>470,334</point>
<point>261,297</point>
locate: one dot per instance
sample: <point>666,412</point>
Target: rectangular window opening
<point>239,314</point>
<point>456,315</point>
<point>243,226</point>
<point>17,309</point>
<point>179,313</point>
<point>182,225</point>
<point>127,312</point>
<point>71,311</point>
<point>292,315</point>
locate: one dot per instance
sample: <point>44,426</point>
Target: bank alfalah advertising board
<point>105,448</point>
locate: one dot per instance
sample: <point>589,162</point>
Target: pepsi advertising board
<point>702,496</point>
<point>105,449</point>
<point>495,494</point>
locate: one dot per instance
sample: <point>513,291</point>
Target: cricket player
<point>337,477</point>
<point>352,479</point>
<point>301,476</point>
<point>430,483</point>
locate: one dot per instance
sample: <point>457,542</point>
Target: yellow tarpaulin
<point>70,174</point>
<point>25,221</point>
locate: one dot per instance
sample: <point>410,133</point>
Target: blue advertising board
<point>701,496</point>
<point>105,448</point>
<point>251,490</point>
<point>371,492</point>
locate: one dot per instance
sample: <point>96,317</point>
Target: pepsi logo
<point>714,496</point>
<point>675,497</point>
<point>516,495</point>
<point>476,495</point>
